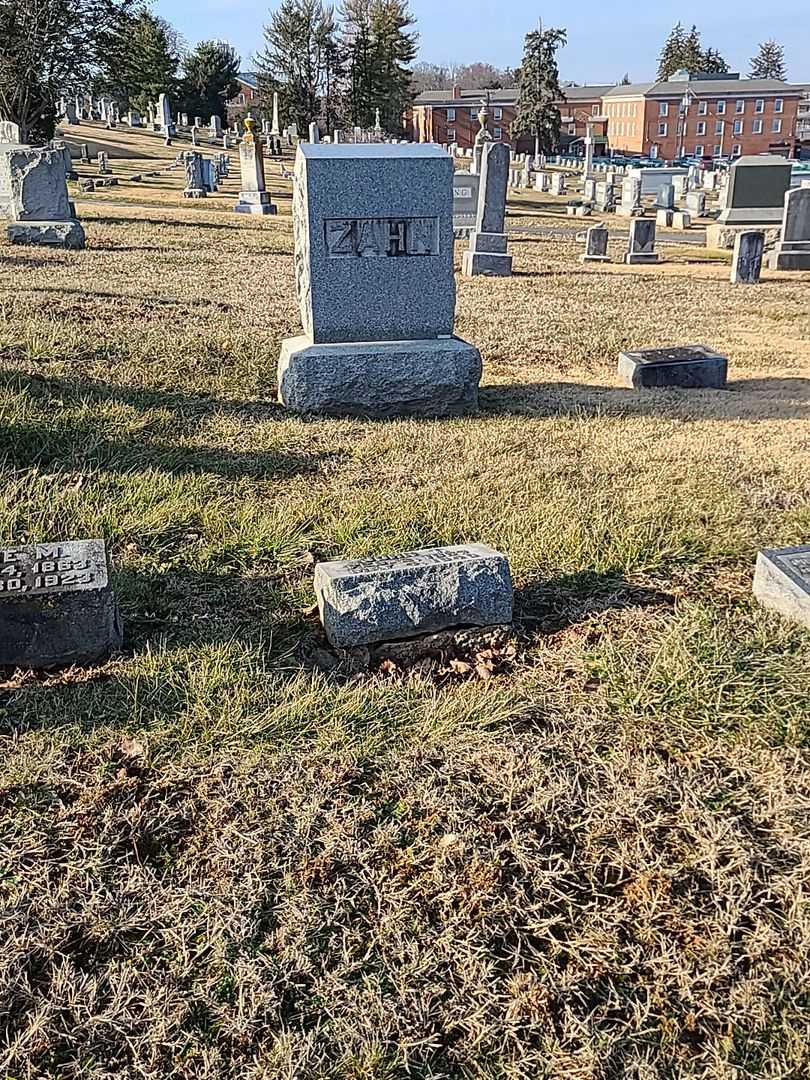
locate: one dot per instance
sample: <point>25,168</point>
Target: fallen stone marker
<point>57,608</point>
<point>363,601</point>
<point>782,583</point>
<point>693,366</point>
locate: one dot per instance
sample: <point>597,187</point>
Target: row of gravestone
<point>58,607</point>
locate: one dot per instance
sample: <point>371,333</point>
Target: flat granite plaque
<point>686,367</point>
<point>363,601</point>
<point>782,583</point>
<point>56,605</point>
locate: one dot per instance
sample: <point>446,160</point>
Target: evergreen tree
<point>714,63</point>
<point>142,61</point>
<point>672,53</point>
<point>380,48</point>
<point>769,63</point>
<point>683,51</point>
<point>299,47</point>
<point>540,90</point>
<point>210,79</point>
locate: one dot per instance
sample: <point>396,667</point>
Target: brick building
<point>451,116</point>
<point>704,116</point>
<point>246,99</point>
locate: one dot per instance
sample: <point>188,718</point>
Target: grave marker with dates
<point>373,230</point>
<point>57,608</point>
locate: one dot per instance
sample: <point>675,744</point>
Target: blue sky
<point>605,41</point>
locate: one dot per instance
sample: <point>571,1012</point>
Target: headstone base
<point>722,237</point>
<point>64,234</point>
<point>688,367</point>
<point>486,255</point>
<point>631,258</point>
<point>629,211</point>
<point>59,631</point>
<point>663,218</point>
<point>594,258</point>
<point>790,256</point>
<point>255,202</point>
<point>195,193</point>
<point>437,377</point>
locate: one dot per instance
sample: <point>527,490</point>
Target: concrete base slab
<point>632,258</point>
<point>64,234</point>
<point>437,377</point>
<point>594,258</point>
<point>722,237</point>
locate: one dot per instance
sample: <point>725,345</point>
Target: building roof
<point>248,80</point>
<point>704,87</point>
<point>507,96</point>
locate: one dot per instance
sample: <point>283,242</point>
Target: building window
<point>736,150</point>
<point>240,100</point>
<point>663,108</point>
<point>703,108</point>
<point>776,126</point>
<point>451,135</point>
<point>701,128</point>
<point>717,149</point>
<point>498,114</point>
<point>756,127</point>
<point>451,114</point>
<point>698,151</point>
<point>473,114</point>
<point>760,105</point>
<point>662,129</point>
<point>719,125</point>
<point>740,107</point>
<point>594,110</point>
<point>778,105</point>
<point>496,134</point>
<point>572,129</point>
<point>738,127</point>
<point>721,108</point>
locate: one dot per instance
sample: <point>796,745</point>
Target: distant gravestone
<point>34,196</point>
<point>558,183</point>
<point>696,203</point>
<point>782,583</point>
<point>487,251</point>
<point>57,608</point>
<point>195,185</point>
<point>666,197</point>
<point>746,264</point>
<point>693,366</point>
<point>254,198</point>
<point>630,205</point>
<point>465,201</point>
<point>364,601</point>
<point>9,132</point>
<point>373,229</point>
<point>793,250</point>
<point>596,245</point>
<point>756,191</point>
<point>314,133</point>
<point>642,242</point>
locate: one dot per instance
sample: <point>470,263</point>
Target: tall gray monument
<point>373,230</point>
<point>793,250</point>
<point>254,198</point>
<point>487,250</point>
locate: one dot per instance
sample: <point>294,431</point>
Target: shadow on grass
<point>745,399</point>
<point>550,605</point>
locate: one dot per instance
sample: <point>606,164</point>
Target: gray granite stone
<point>696,203</point>
<point>756,191</point>
<point>596,245</point>
<point>693,366</point>
<point>666,197</point>
<point>465,200</point>
<point>64,234</point>
<point>253,195</point>
<point>793,250</point>
<point>33,185</point>
<point>374,242</point>
<point>487,251</point>
<point>642,242</point>
<point>782,583</point>
<point>380,379</point>
<point>746,264</point>
<point>364,601</point>
<point>57,608</point>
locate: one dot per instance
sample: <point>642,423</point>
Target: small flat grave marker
<point>782,583</point>
<point>693,366</point>
<point>363,601</point>
<point>56,605</point>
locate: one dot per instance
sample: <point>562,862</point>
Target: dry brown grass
<point>218,862</point>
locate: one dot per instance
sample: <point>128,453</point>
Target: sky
<point>604,40</point>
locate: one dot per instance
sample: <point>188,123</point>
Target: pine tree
<point>299,46</point>
<point>210,72</point>
<point>672,54</point>
<point>141,61</point>
<point>714,63</point>
<point>380,49</point>
<point>540,90</point>
<point>769,63</point>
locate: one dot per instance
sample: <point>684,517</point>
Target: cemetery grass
<point>584,859</point>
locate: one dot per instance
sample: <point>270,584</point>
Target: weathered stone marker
<point>782,583</point>
<point>693,366</point>
<point>254,198</point>
<point>793,250</point>
<point>385,599</point>
<point>34,195</point>
<point>373,230</point>
<point>596,245</point>
<point>56,605</point>
<point>465,201</point>
<point>487,250</point>
<point>195,184</point>
<point>746,265</point>
<point>642,242</point>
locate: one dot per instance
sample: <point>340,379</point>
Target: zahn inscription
<point>381,238</point>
